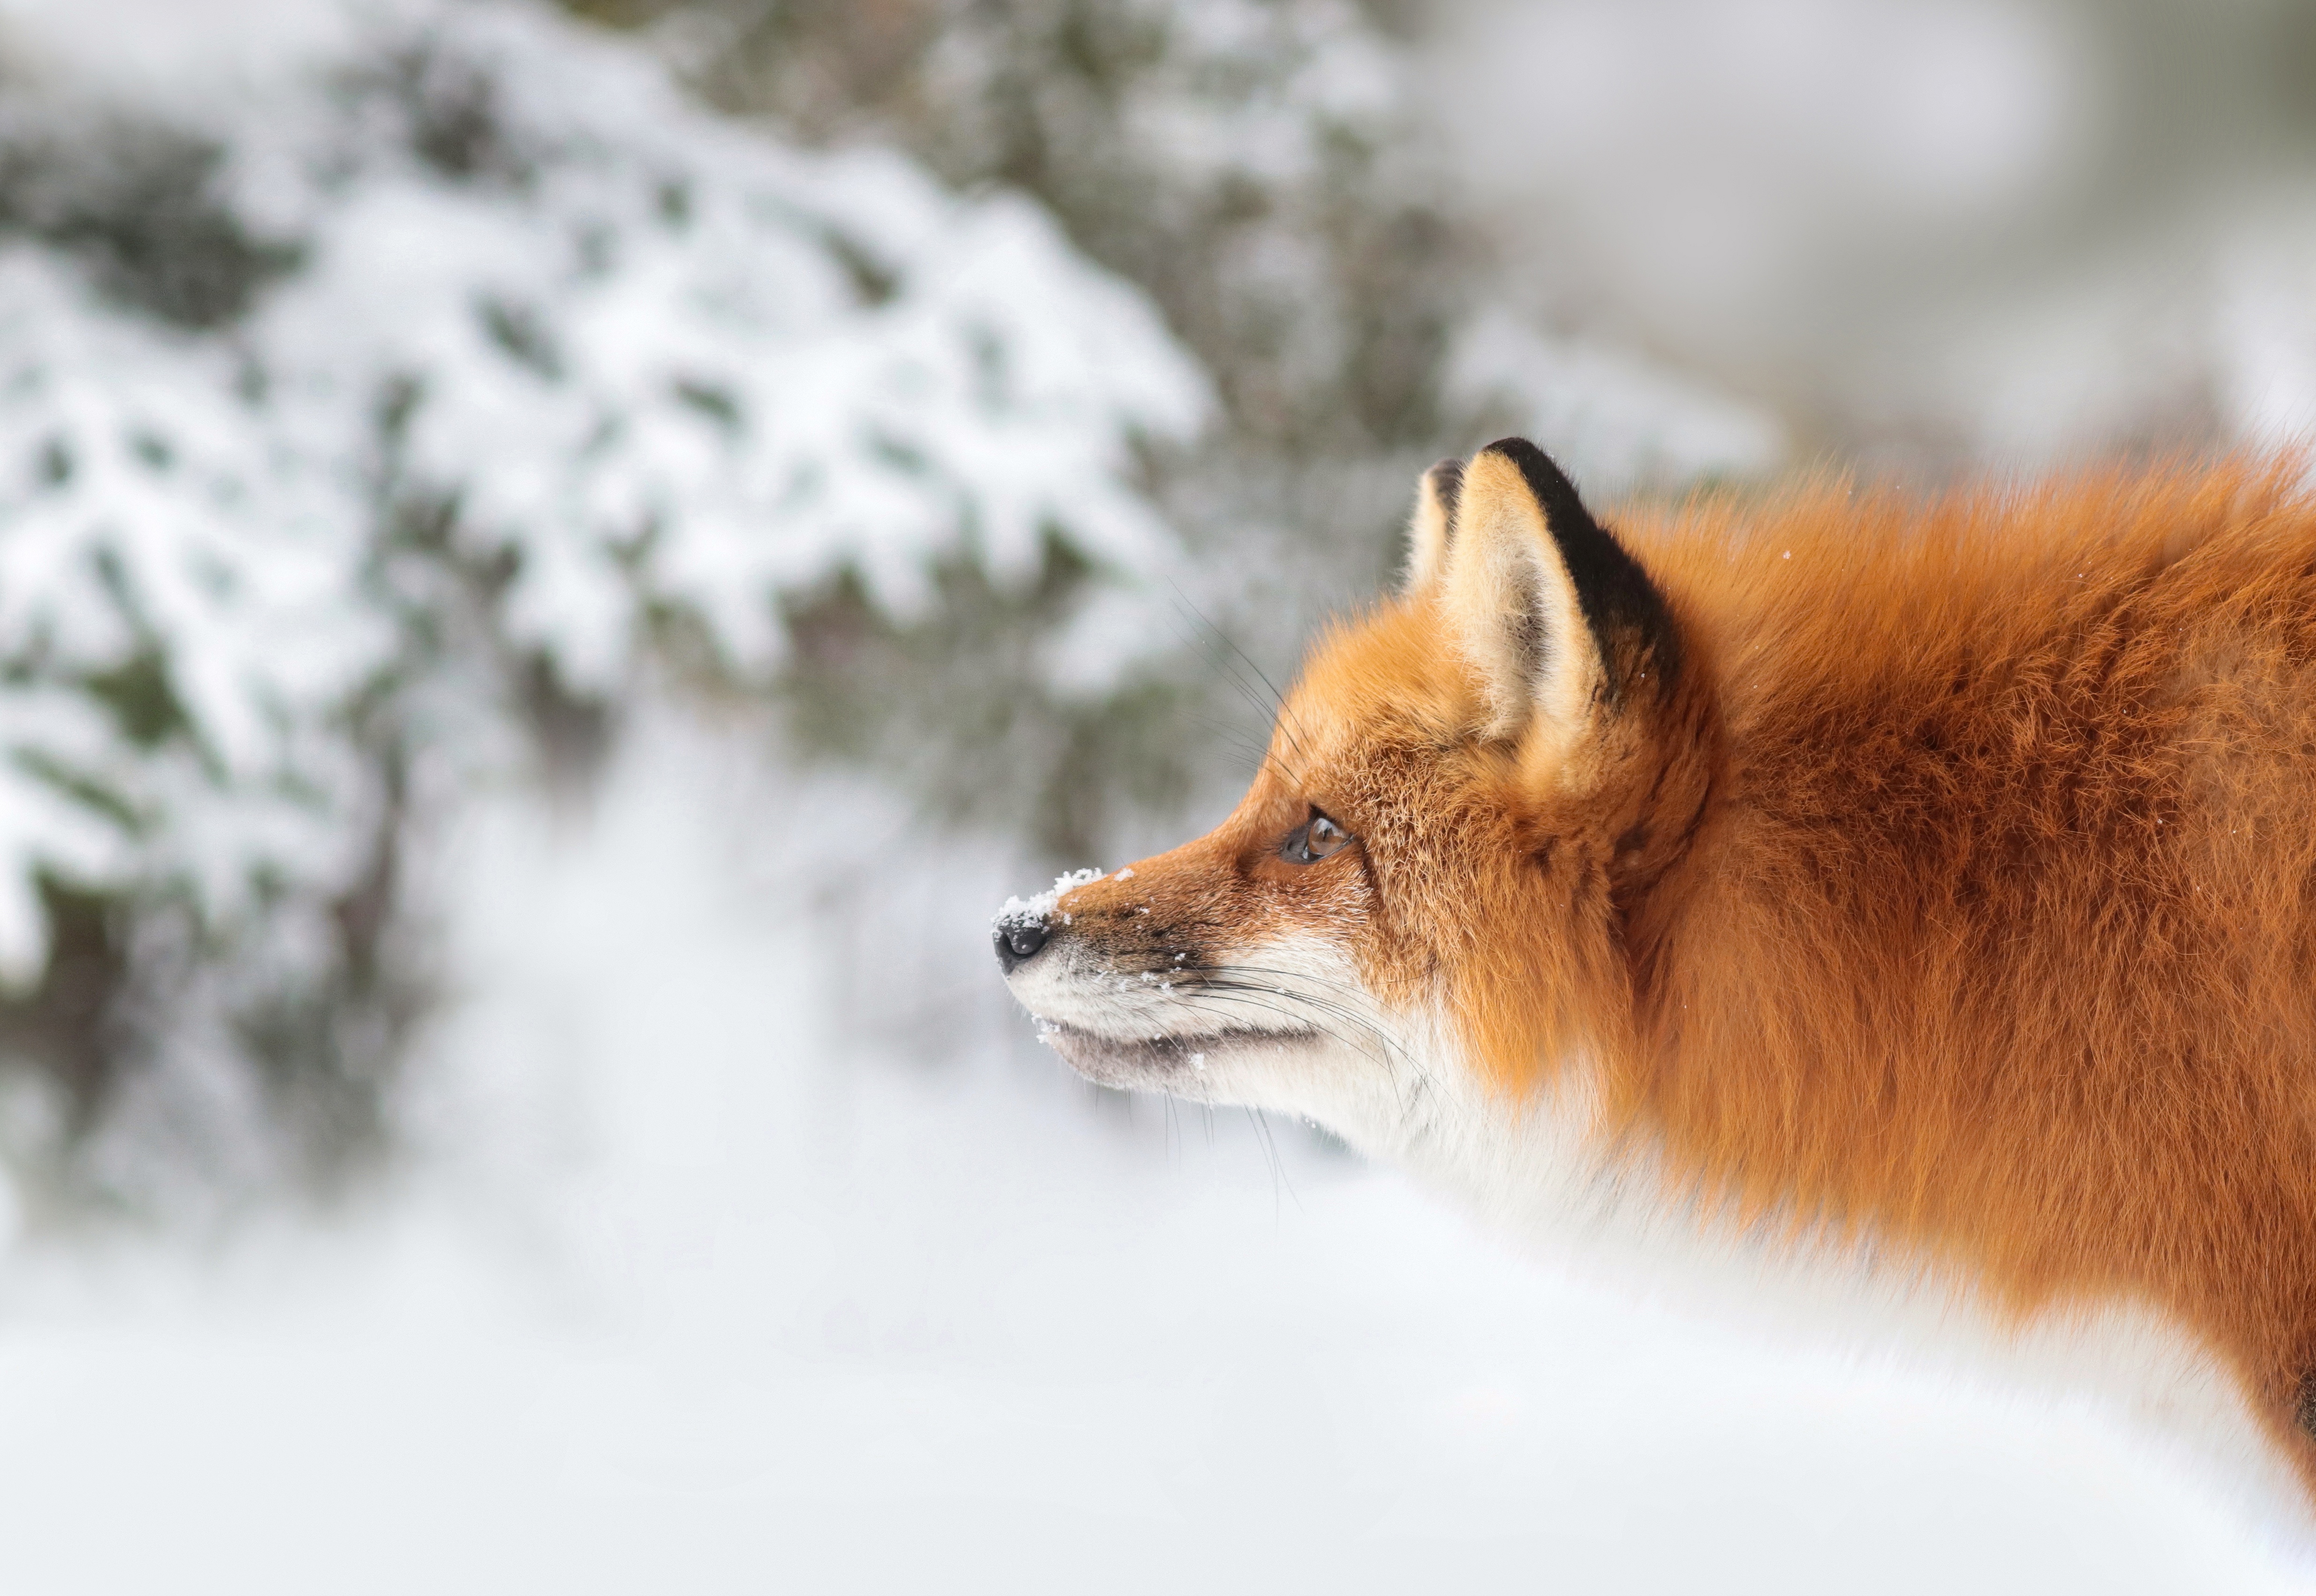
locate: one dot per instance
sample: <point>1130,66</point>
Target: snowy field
<point>746,1242</point>
<point>694,1295</point>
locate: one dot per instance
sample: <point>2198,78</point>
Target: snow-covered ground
<point>695,1293</point>
<point>746,1243</point>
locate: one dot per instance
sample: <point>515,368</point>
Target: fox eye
<point>1313,841</point>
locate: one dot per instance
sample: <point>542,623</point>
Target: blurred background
<point>556,564</point>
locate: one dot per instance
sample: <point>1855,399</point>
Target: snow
<point>748,1239</point>
<point>641,362</point>
<point>1325,69</point>
<point>711,1285</point>
<point>1032,911</point>
<point>722,337</point>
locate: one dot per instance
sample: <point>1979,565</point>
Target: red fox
<point>1914,895</point>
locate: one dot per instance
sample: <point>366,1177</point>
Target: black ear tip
<point>1520,451</point>
<point>1546,479</point>
<point>1447,479</point>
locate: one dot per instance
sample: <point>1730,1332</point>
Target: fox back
<point>1919,894</point>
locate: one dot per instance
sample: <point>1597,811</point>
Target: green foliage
<point>142,205</point>
<point>960,709</point>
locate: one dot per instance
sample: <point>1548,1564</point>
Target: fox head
<point>1431,895</point>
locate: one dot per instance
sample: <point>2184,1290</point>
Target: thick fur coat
<point>1921,890</point>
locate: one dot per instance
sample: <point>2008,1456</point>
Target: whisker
<point>1303,1019</point>
<point>1331,1004</point>
<point>1278,1176</point>
<point>1280,715</point>
<point>1233,736</point>
<point>1323,1005</point>
<point>1211,979</point>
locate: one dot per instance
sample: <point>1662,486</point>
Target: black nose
<point>1019,941</point>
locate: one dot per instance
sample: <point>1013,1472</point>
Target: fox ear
<point>1432,526</point>
<point>1562,625</point>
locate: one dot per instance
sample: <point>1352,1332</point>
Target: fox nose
<point>1018,942</point>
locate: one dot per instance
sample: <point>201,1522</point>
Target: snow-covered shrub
<point>1248,163</point>
<point>1256,165</point>
<point>474,359</point>
<point>1271,172</point>
<point>653,355</point>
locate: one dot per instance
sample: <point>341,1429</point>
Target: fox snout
<point>1206,974</point>
<point>1019,941</point>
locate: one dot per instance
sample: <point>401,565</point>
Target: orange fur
<point>1998,939</point>
<point>1958,894</point>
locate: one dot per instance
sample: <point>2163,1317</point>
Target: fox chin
<point>1907,903</point>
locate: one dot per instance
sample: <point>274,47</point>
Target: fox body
<point>1913,901</point>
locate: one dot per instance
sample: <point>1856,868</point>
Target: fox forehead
<point>1377,724</point>
<point>1391,673</point>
